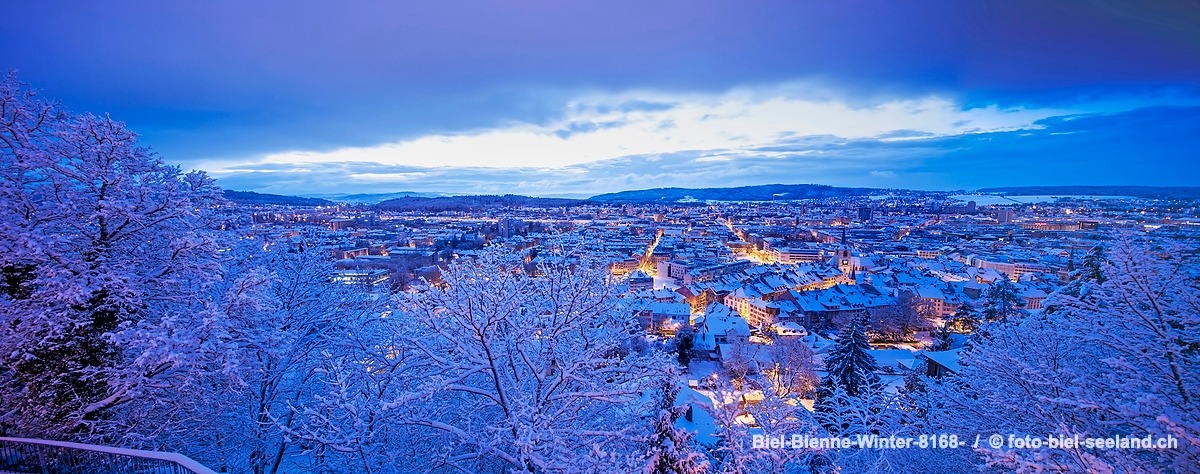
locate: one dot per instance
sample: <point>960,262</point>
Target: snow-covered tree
<point>1003,301</point>
<point>850,372</point>
<point>494,370</point>
<point>670,449</point>
<point>739,360</point>
<point>740,413</point>
<point>271,311</point>
<point>103,248</point>
<point>898,321</point>
<point>1092,267</point>
<point>792,371</point>
<point>848,365</point>
<point>684,345</point>
<point>943,340</point>
<point>966,319</point>
<point>1120,357</point>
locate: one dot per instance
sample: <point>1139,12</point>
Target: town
<point>600,237</point>
<point>734,277</point>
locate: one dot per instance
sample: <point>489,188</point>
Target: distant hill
<point>473,203</point>
<point>372,198</point>
<point>768,192</point>
<point>250,198</point>
<point>1162,192</point>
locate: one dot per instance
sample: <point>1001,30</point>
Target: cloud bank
<point>607,142</point>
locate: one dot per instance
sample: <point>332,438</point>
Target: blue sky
<point>584,97</point>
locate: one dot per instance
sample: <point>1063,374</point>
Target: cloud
<point>607,142</point>
<point>600,127</point>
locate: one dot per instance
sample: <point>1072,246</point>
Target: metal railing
<point>39,456</point>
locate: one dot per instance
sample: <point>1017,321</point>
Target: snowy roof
<point>1034,293</point>
<point>789,328</point>
<point>930,292</point>
<point>720,319</point>
<point>948,359</point>
<point>702,422</point>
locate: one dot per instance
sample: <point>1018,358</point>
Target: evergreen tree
<point>966,319</point>
<point>1092,263</point>
<point>1083,280</point>
<point>685,343</point>
<point>671,448</point>
<point>850,376</point>
<point>1003,302</point>
<point>942,341</point>
<point>850,368</point>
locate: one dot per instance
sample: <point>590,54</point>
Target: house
<point>762,313</point>
<point>664,295</point>
<point>1033,298</point>
<point>818,308</point>
<point>849,261</point>
<point>740,299</point>
<point>666,317</point>
<point>941,363</point>
<point>934,301</point>
<point>639,280</point>
<point>721,325</point>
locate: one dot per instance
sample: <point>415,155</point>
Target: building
<point>849,261</point>
<point>624,267</point>
<point>864,213</point>
<point>928,254</point>
<point>933,301</point>
<point>761,313</point>
<point>793,255</point>
<point>1050,226</point>
<point>1033,298</point>
<point>509,227</point>
<point>1004,265</point>
<point>639,281</point>
<point>1004,216</point>
<point>351,253</point>
<point>721,325</point>
<point>665,317</point>
<point>939,364</point>
<point>675,271</point>
<point>818,308</point>
<point>338,224</point>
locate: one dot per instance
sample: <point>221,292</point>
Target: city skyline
<point>585,98</point>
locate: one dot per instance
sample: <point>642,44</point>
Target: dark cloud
<point>224,78</point>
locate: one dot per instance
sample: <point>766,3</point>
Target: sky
<point>575,98</point>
